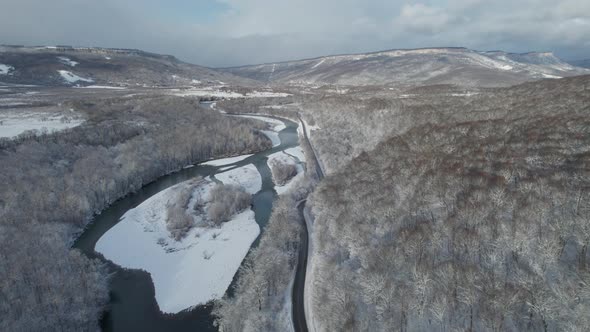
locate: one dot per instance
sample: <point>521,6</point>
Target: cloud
<point>252,31</point>
<point>423,19</point>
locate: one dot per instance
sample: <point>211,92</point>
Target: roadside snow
<point>5,69</point>
<point>308,129</point>
<point>185,273</point>
<point>226,161</point>
<point>13,124</point>
<point>245,176</point>
<point>67,61</point>
<point>73,78</point>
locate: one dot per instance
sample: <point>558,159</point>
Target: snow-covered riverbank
<point>294,157</point>
<point>199,267</point>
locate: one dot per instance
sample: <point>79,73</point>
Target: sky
<point>221,33</point>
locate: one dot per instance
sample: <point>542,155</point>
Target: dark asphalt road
<point>298,295</point>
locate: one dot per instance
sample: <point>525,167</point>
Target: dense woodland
<point>52,185</point>
<point>474,215</point>
<point>262,300</point>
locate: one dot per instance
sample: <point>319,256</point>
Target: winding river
<point>132,304</point>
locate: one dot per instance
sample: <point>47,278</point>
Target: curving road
<point>298,294</point>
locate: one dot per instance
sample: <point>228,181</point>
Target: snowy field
<point>218,93</point>
<point>286,158</point>
<point>245,176</point>
<point>14,123</point>
<point>185,273</point>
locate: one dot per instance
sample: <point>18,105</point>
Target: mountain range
<point>425,66</point>
<point>73,66</point>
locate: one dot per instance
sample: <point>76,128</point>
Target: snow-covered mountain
<point>68,66</point>
<point>459,66</point>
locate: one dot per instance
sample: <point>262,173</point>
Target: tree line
<point>52,185</point>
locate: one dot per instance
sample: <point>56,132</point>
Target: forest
<point>469,213</point>
<point>54,183</point>
<point>261,300</point>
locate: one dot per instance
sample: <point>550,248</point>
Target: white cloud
<point>254,31</point>
<point>421,18</point>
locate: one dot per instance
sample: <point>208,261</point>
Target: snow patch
<point>245,176</point>
<point>267,94</point>
<point>5,69</point>
<point>104,87</point>
<point>318,64</point>
<point>277,125</point>
<point>185,273</point>
<point>67,61</point>
<point>273,137</point>
<point>296,152</point>
<point>226,161</point>
<point>550,76</point>
<point>73,78</point>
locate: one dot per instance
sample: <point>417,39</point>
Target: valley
<point>416,189</point>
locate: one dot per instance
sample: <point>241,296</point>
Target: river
<point>132,304</point>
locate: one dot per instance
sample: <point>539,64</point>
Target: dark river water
<point>133,305</point>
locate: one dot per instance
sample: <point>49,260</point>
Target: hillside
<point>68,66</point>
<point>471,213</point>
<point>458,66</point>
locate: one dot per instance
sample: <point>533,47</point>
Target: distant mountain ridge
<point>69,66</point>
<point>585,63</point>
<point>444,65</point>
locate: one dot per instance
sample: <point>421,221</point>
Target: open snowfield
<point>226,161</point>
<point>285,158</point>
<point>185,273</point>
<point>14,123</point>
<point>245,176</point>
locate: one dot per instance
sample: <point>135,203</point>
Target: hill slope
<point>67,66</point>
<point>459,66</point>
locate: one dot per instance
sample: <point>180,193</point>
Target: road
<point>298,295</point>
